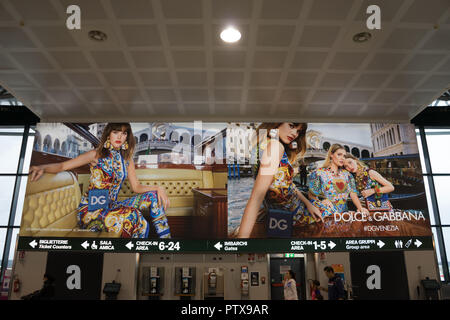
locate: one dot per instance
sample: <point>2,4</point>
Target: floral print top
<point>336,187</point>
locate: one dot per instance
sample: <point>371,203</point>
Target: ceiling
<point>163,60</point>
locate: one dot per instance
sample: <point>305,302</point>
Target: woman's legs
<point>149,200</point>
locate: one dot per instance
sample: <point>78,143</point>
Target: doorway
<point>279,265</point>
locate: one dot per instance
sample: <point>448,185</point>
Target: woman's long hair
<point>292,154</point>
<point>360,165</point>
<point>334,147</point>
<point>124,127</point>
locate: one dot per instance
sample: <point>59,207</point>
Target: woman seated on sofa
<point>111,163</point>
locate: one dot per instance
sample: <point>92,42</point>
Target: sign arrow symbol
<point>33,244</point>
<point>218,246</point>
<point>417,243</point>
<point>129,245</point>
<point>85,244</point>
<point>380,244</point>
<point>331,244</point>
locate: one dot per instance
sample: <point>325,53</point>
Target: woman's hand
<point>315,212</point>
<point>163,198</point>
<point>367,193</point>
<point>363,210</point>
<point>36,172</point>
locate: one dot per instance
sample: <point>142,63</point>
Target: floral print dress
<point>336,187</point>
<point>283,194</point>
<point>123,217</point>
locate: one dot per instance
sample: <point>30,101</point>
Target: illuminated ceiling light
<point>362,37</point>
<point>230,35</point>
<point>97,35</point>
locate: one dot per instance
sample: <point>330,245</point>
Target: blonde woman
<point>283,143</point>
<point>111,163</point>
<point>331,185</point>
<point>368,181</point>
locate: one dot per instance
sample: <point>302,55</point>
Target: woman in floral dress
<point>274,182</point>
<point>112,163</point>
<point>331,185</point>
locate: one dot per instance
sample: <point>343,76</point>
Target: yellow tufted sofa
<point>50,206</point>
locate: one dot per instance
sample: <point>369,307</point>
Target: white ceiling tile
<point>339,80</point>
<point>64,96</point>
<point>425,11</point>
<point>156,79</point>
<point>258,109</point>
<point>293,95</point>
<point>110,59</point>
<point>289,9</point>
<point>232,9</point>
<point>192,78</point>
<point>166,109</point>
<point>360,96</point>
<point>347,109</point>
<point>330,10</point>
<point>228,78</point>
<point>318,36</point>
<point>161,95</point>
<point>225,95</point>
<point>194,94</point>
<point>438,41</point>
<point>229,59</point>
<point>423,62</point>
<point>54,36</point>
<point>185,34</point>
<point>264,79</point>
<point>49,79</point>
<point>386,61</point>
<point>149,59</point>
<point>189,59</point>
<point>260,95</point>
<point>226,109</point>
<point>291,109</point>
<point>175,9</point>
<point>120,79</point>
<point>71,59</point>
<point>198,108</point>
<point>326,96</point>
<point>32,60</point>
<point>11,37</point>
<point>403,38</point>
<point>376,111</point>
<point>269,59</point>
<point>275,35</point>
<point>389,96</point>
<point>301,79</point>
<point>5,63</point>
<point>84,79</point>
<point>141,9</point>
<point>144,35</point>
<point>128,95</point>
<point>435,82</point>
<point>31,96</point>
<point>308,60</point>
<point>15,80</point>
<point>371,80</point>
<point>35,10</point>
<point>419,98</point>
<point>405,81</point>
<point>95,95</point>
<point>347,60</point>
<point>317,110</point>
<point>5,16</point>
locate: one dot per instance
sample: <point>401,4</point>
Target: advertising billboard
<point>328,180</point>
<point>229,187</point>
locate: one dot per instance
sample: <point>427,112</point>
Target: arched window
<point>326,146</point>
<point>56,146</point>
<point>347,148</point>
<point>143,137</point>
<point>365,154</point>
<point>355,152</point>
<point>37,141</point>
<point>47,144</point>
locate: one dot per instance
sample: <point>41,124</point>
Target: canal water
<point>239,191</point>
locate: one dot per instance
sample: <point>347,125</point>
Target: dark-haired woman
<point>290,286</point>
<point>111,163</point>
<point>282,144</point>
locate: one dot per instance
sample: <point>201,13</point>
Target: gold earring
<point>125,146</point>
<point>107,144</point>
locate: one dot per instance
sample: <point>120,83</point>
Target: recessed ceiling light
<point>362,37</point>
<point>97,35</point>
<point>230,35</point>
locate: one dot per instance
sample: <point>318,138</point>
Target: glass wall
<point>16,144</point>
<point>435,153</point>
